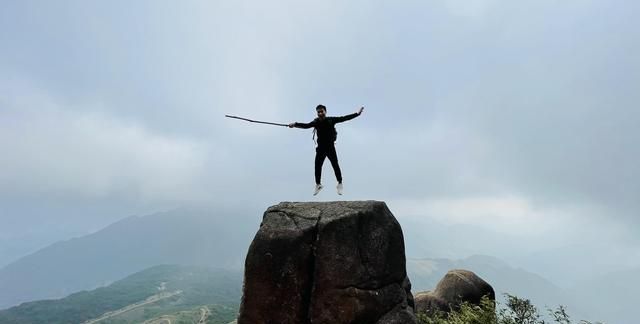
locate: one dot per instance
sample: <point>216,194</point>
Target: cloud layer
<point>521,111</point>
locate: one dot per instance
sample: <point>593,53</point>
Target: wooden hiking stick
<point>256,121</point>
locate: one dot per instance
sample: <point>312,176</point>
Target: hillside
<point>133,244</point>
<point>207,238</point>
<point>167,291</point>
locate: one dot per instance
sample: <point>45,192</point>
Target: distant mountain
<point>186,237</point>
<point>556,260</point>
<point>429,238</point>
<point>221,239</point>
<point>163,292</point>
<point>14,248</point>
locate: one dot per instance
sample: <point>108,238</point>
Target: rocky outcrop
<point>333,262</point>
<point>457,286</point>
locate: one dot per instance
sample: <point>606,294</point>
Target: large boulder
<point>332,262</point>
<point>457,286</point>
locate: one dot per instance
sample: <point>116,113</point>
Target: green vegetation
<point>179,291</point>
<point>184,294</point>
<point>222,314</point>
<point>517,311</point>
<point>467,314</point>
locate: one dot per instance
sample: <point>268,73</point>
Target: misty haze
<point>501,135</point>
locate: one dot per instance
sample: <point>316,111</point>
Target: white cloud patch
<point>51,151</point>
<point>501,213</point>
<point>540,226</point>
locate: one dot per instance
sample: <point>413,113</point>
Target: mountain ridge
<point>120,249</point>
<point>159,290</point>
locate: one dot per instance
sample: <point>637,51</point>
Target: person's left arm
<point>348,117</point>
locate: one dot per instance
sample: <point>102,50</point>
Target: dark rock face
<point>456,287</point>
<point>333,262</point>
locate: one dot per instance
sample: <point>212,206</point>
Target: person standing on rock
<point>324,128</point>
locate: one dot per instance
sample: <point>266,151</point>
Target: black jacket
<point>325,128</point>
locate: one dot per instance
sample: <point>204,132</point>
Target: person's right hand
<point>291,125</point>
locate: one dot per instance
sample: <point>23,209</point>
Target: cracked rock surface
<point>327,262</point>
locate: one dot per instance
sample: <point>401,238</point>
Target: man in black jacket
<point>324,127</point>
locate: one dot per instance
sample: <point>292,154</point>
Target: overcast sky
<point>518,116</point>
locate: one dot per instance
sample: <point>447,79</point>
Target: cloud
<point>506,213</point>
<point>522,109</point>
<point>61,152</point>
<point>469,8</point>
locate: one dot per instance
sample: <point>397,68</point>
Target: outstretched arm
<point>348,117</point>
<point>303,125</point>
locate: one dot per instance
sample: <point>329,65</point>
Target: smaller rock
<point>456,287</point>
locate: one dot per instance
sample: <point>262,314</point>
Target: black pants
<point>330,152</point>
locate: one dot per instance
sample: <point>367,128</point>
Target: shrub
<point>517,311</point>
